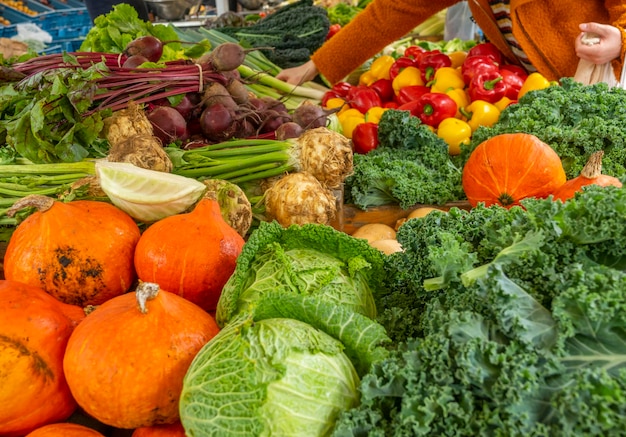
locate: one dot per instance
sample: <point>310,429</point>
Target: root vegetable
<point>299,198</point>
<point>217,121</point>
<point>217,93</point>
<point>145,151</point>
<point>168,124</point>
<point>134,61</point>
<point>326,154</point>
<point>147,46</point>
<point>238,91</point>
<point>289,129</point>
<point>234,204</point>
<point>226,56</point>
<point>309,115</point>
<point>387,246</point>
<point>126,123</point>
<point>375,231</point>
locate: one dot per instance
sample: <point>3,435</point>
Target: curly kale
<point>517,323</point>
<point>575,120</point>
<point>410,166</point>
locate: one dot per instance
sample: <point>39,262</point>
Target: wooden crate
<point>350,217</point>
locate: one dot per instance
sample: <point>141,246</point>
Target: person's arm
<point>298,75</point>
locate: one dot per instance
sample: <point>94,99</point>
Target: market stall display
<point>433,246</point>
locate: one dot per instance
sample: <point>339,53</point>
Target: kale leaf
<point>410,166</point>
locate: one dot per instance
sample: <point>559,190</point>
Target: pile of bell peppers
<point>452,93</point>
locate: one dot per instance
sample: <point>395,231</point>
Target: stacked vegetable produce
<point>140,291</point>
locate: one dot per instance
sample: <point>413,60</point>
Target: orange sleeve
<point>379,24</point>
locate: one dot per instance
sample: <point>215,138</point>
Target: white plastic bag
<point>459,23</point>
<point>588,73</point>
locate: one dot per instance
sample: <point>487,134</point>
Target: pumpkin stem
<point>593,167</point>
<point>38,201</point>
<point>144,292</point>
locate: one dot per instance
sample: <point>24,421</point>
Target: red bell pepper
<point>486,49</point>
<point>487,86</point>
<point>384,89</point>
<point>409,93</point>
<point>363,98</point>
<point>475,64</point>
<point>400,64</point>
<point>519,71</point>
<point>365,137</point>
<point>415,52</point>
<point>433,108</point>
<point>431,62</point>
<point>513,83</point>
<point>342,88</point>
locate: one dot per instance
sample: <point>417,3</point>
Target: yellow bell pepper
<point>336,102</point>
<point>367,78</point>
<point>349,119</point>
<point>454,132</point>
<point>461,98</point>
<point>503,103</point>
<point>447,78</point>
<point>457,58</point>
<point>380,66</point>
<point>374,113</point>
<point>534,81</point>
<point>481,113</point>
<point>407,77</point>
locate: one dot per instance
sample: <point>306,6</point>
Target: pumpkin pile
<point>103,319</point>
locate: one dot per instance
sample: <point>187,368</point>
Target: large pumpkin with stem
<point>126,360</point>
<point>81,252</point>
<point>65,430</point>
<point>34,331</point>
<point>507,168</point>
<point>191,254</point>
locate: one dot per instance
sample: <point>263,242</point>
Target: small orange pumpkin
<point>591,174</point>
<point>191,254</point>
<point>34,331</point>
<point>172,430</point>
<point>65,430</point>
<point>125,362</point>
<point>507,168</point>
<point>81,252</point>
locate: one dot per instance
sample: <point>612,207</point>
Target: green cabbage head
<point>274,377</point>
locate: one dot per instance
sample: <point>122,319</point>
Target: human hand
<point>298,75</point>
<point>604,46</point>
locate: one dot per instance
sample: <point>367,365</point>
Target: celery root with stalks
<point>325,154</point>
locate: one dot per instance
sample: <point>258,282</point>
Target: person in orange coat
<point>540,35</point>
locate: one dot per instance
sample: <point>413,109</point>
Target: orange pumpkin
<point>191,254</point>
<point>34,330</point>
<point>126,361</point>
<point>172,430</point>
<point>65,430</point>
<point>591,174</point>
<point>507,168</point>
<point>80,252</point>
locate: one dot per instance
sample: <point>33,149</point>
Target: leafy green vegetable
<point>287,37</point>
<point>534,344</point>
<point>574,119</point>
<point>271,377</point>
<point>41,116</point>
<point>342,13</point>
<point>315,274</point>
<point>112,32</point>
<point>410,166</point>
